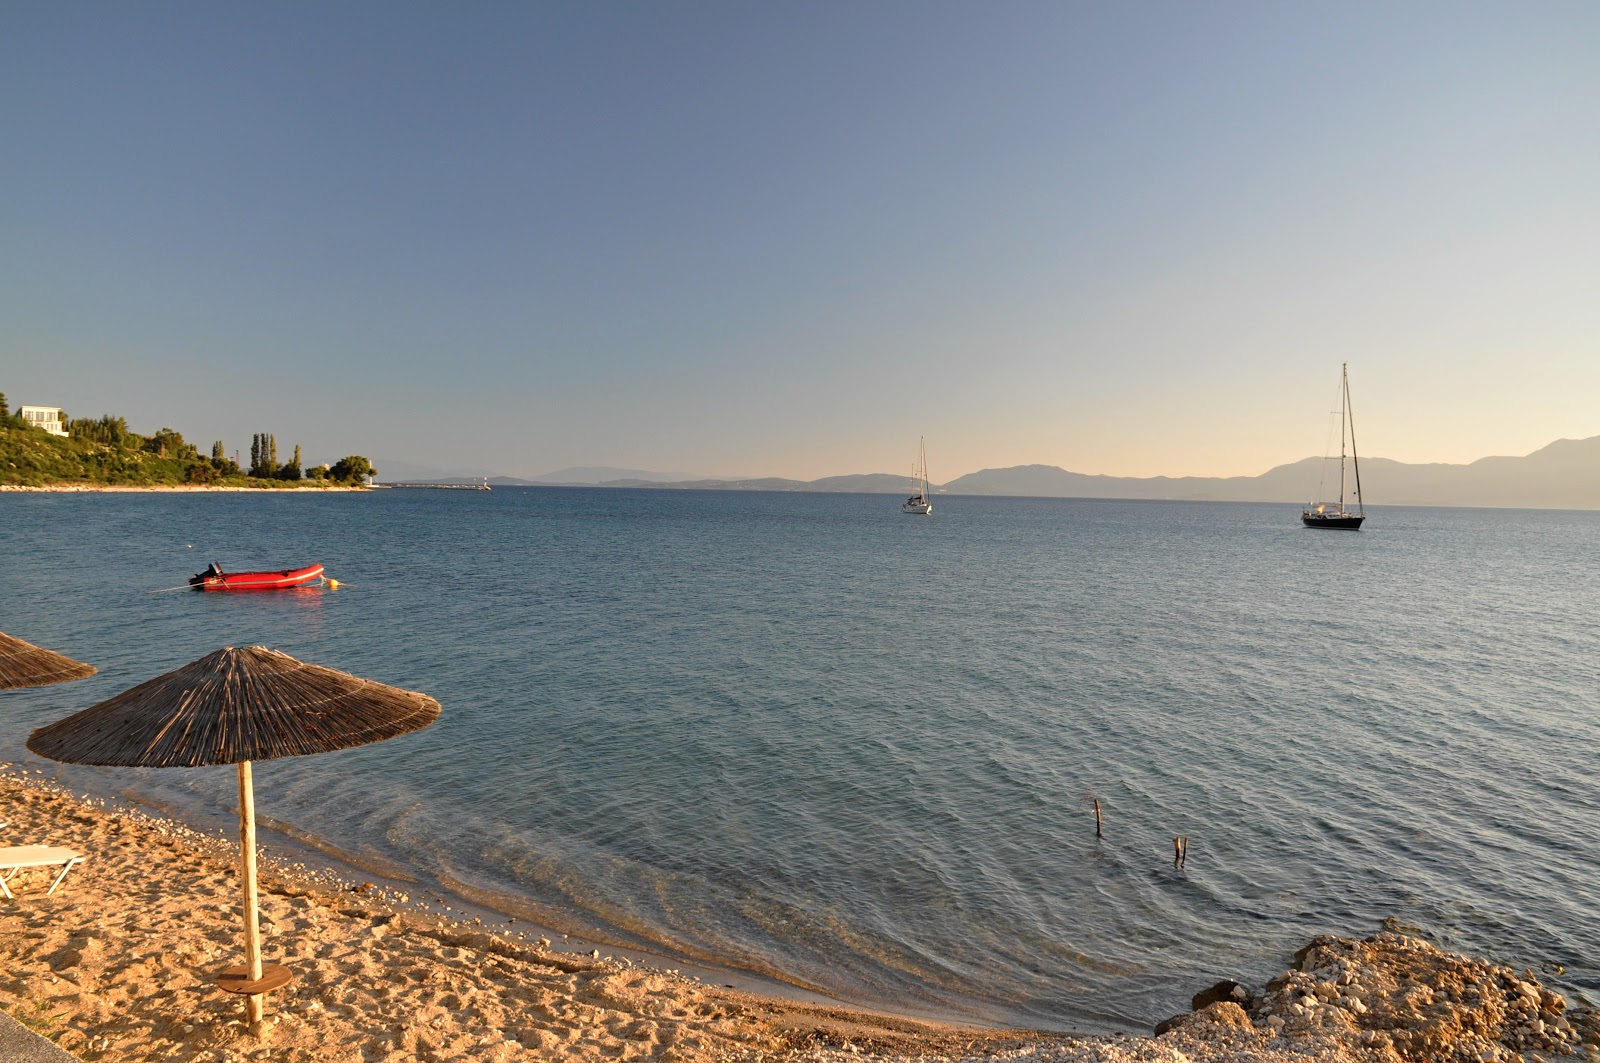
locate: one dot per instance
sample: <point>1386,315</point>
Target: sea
<point>808,739</point>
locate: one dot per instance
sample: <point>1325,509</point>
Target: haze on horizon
<point>759,240</point>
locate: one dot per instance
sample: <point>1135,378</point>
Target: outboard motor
<point>201,579</point>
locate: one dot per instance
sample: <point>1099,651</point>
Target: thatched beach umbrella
<point>236,706</point>
<point>22,664</point>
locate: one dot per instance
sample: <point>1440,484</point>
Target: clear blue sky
<point>789,238</point>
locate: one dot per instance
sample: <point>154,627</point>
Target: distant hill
<point>1563,475</point>
<point>878,483</point>
<point>1286,483</point>
<point>861,483</point>
<point>605,474</point>
<point>106,451</point>
<point>765,483</point>
<point>398,471</point>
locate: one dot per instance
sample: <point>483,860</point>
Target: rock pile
<point>1397,998</point>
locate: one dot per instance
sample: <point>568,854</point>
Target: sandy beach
<point>116,965</point>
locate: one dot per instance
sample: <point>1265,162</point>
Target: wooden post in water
<point>1097,833</point>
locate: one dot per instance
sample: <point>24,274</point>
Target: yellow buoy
<point>333,584</point>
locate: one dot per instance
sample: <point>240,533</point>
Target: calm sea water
<point>811,737</point>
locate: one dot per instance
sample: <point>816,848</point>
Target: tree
<point>291,471</point>
<point>264,456</point>
<point>169,443</point>
<point>217,453</point>
<point>107,431</point>
<point>353,467</point>
<point>5,407</point>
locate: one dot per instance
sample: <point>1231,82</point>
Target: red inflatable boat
<point>214,579</point>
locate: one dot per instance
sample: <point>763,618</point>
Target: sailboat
<point>918,502</point>
<point>1334,514</point>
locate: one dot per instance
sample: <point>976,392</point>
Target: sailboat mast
<point>1354,458</point>
<point>1344,398</point>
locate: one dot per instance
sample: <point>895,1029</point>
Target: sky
<point>790,239</point>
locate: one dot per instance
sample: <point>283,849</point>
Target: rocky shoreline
<point>1396,997</point>
<point>1388,998</point>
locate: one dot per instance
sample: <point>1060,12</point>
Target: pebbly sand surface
<point>116,965</point>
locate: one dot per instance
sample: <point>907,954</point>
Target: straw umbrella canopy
<point>236,706</point>
<point>22,664</point>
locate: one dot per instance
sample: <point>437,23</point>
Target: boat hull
<point>914,506</point>
<point>1318,520</point>
<point>258,581</point>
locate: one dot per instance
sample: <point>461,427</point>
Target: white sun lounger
<point>14,858</point>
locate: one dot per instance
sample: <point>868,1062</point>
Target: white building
<point>49,418</point>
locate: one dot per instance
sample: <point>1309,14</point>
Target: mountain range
<point>1563,475</point>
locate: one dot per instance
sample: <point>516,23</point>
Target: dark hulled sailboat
<point>1334,514</point>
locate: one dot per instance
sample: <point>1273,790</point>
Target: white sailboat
<point>919,502</point>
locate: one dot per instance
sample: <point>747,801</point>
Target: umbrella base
<point>237,979</point>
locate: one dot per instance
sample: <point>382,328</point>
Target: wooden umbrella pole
<point>247,872</point>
